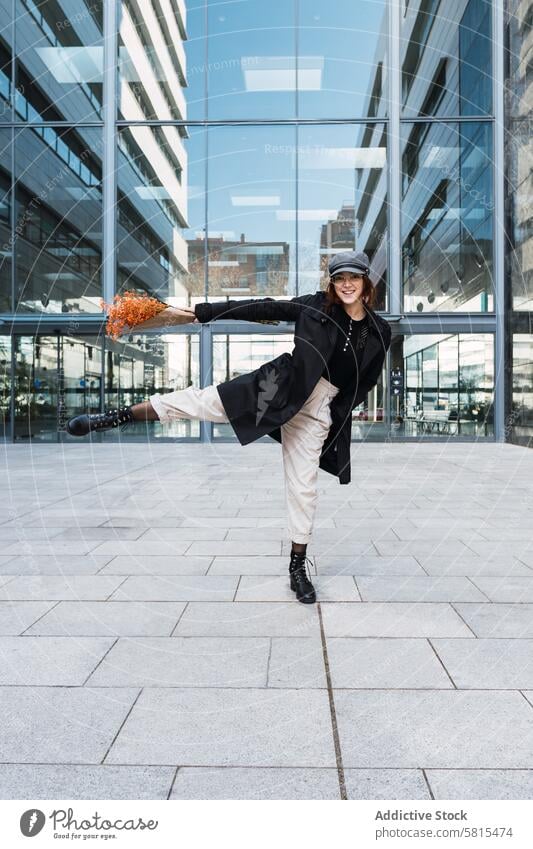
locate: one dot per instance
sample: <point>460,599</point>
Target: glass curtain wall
<point>519,223</point>
<point>247,143</point>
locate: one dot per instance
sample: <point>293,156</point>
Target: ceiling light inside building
<point>342,157</point>
<point>305,214</point>
<point>255,200</point>
<point>278,73</point>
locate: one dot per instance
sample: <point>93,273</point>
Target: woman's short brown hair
<point>368,297</point>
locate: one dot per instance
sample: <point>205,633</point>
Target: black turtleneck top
<point>341,367</point>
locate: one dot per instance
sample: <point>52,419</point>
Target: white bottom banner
<point>266,824</point>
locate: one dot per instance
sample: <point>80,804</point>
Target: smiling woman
<point>303,399</point>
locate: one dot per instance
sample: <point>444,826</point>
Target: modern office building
<point>219,150</point>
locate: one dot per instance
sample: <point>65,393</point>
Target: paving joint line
<point>22,633</point>
<point>431,795</point>
<point>442,663</point>
<point>451,603</point>
<point>122,724</point>
<point>113,644</point>
<point>332,711</point>
<point>170,789</point>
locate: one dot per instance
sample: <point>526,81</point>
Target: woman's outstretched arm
<point>252,309</point>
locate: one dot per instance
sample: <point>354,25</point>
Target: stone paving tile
<point>147,564</point>
<point>215,588</point>
<point>220,522</point>
<point>4,579</point>
<point>110,618</point>
<point>255,783</point>
<point>53,661</point>
<point>473,565</point>
<point>507,533</point>
<point>20,533</point>
<point>227,727</point>
<point>481,783</point>
<point>137,548</point>
<point>57,587</point>
<point>393,619</point>
<point>498,620</point>
<point>385,784</point>
<point>249,619</point>
<point>184,534</point>
<point>437,729</point>
<point>51,548</point>
<point>67,781</point>
<point>489,664</point>
<point>296,662</point>
<point>100,534</point>
<point>256,565</point>
<point>417,588</point>
<point>519,548</point>
<point>368,564</point>
<point>66,520</point>
<point>258,533</point>
<point>434,533</point>
<point>5,560</point>
<point>362,662</point>
<point>208,512</point>
<point>423,548</point>
<point>132,522</point>
<point>513,588</point>
<point>235,547</point>
<point>277,588</point>
<point>54,565</point>
<point>342,548</point>
<point>73,725</point>
<point>16,616</point>
<point>528,695</point>
<point>526,557</point>
<point>185,662</point>
<point>271,512</point>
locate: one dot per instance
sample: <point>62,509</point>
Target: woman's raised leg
<point>189,403</point>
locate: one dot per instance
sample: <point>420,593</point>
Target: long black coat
<point>259,402</point>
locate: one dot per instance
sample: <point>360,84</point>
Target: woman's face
<point>348,286</point>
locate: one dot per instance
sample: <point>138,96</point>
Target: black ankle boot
<point>301,579</point>
<point>87,423</point>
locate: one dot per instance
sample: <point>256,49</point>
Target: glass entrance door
<point>36,388</point>
<point>56,377</point>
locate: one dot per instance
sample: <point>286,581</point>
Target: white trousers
<point>302,438</point>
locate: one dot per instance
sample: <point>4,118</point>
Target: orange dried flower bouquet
<point>129,310</point>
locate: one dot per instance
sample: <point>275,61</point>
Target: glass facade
<point>519,223</point>
<point>202,151</point>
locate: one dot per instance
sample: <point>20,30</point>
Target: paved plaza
<point>151,647</point>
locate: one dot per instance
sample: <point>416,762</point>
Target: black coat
<point>259,402</point>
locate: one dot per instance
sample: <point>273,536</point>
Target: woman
<point>303,400</point>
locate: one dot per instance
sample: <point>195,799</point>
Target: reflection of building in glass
<point>238,267</point>
<point>339,233</point>
<point>447,198</point>
<point>519,224</point>
<point>152,163</point>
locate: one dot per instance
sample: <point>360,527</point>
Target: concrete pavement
<point>151,647</point>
